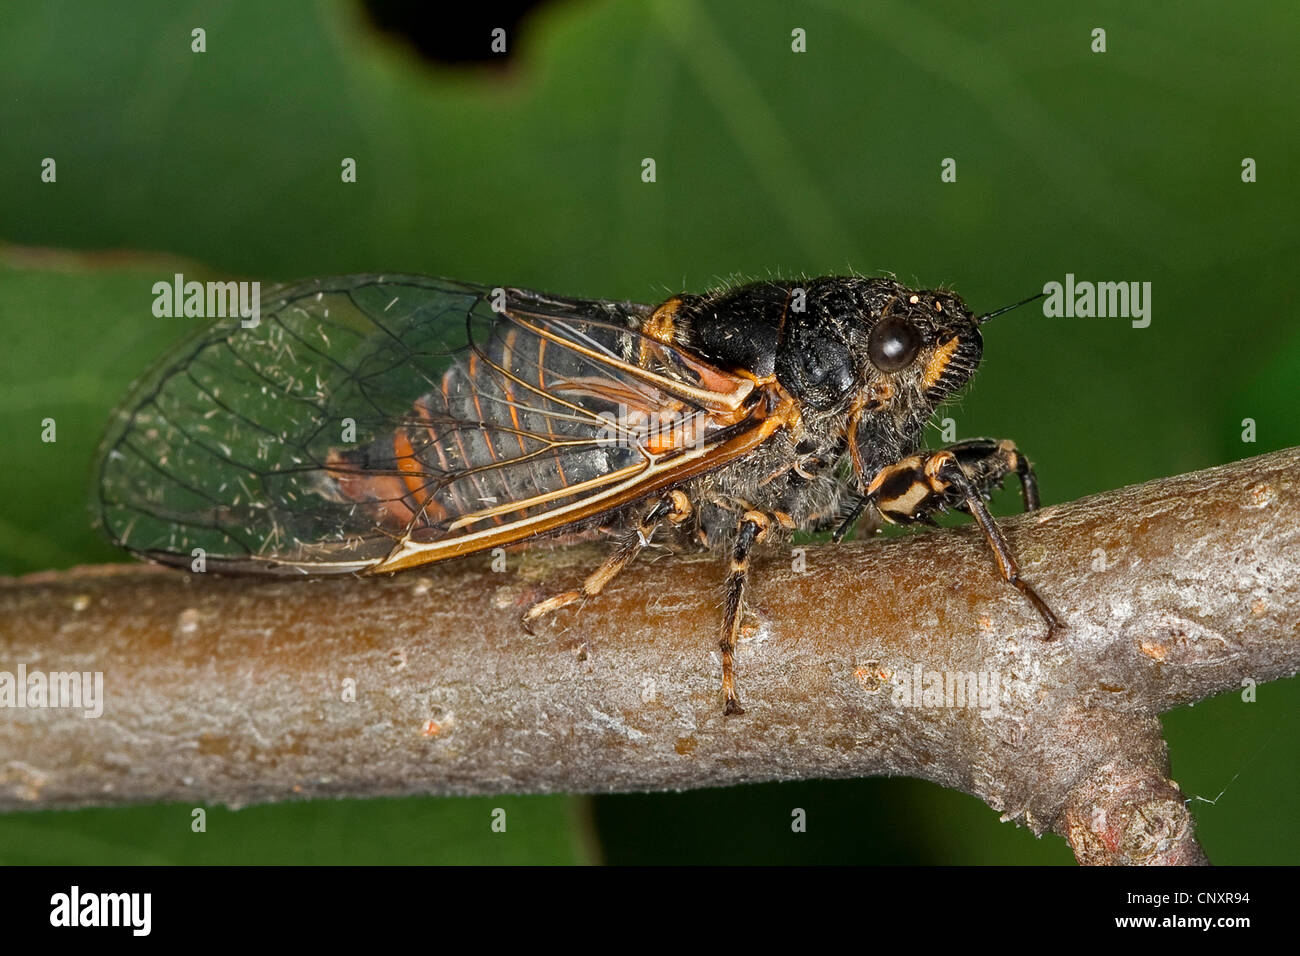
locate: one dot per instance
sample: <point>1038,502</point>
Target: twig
<point>236,690</point>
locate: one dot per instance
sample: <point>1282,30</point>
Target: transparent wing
<point>366,416</point>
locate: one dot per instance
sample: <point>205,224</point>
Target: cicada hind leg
<point>674,507</point>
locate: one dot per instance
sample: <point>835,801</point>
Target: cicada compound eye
<point>894,344</point>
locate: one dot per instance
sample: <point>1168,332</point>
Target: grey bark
<point>234,690</point>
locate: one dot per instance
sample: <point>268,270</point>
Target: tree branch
<point>232,690</point>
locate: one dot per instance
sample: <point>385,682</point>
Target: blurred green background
<point>1123,165</point>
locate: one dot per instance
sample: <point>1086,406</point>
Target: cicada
<point>371,424</point>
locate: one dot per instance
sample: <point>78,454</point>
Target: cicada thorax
<point>863,398</point>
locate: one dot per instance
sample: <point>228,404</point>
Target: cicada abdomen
<point>519,424</point>
<point>383,422</point>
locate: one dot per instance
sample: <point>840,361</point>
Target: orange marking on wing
<point>430,505</point>
<point>610,391</point>
<point>507,353</point>
<point>669,431</point>
<point>478,409</point>
<point>729,399</point>
<point>434,438</point>
<point>460,444</point>
<point>550,432</point>
<point>404,455</point>
<point>383,495</point>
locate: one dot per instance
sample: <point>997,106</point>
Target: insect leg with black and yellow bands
<point>674,507</point>
<point>987,461</point>
<point>913,489</point>
<point>753,528</point>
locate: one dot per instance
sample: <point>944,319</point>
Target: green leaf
<point>1116,166</point>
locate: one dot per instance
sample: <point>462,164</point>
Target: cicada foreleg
<point>918,486</point>
<point>987,461</point>
<point>674,507</point>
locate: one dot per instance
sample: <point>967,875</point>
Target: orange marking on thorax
<point>661,325</point>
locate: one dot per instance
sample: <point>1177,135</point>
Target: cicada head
<point>873,359</point>
<point>873,345</point>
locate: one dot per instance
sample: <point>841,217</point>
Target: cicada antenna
<point>981,319</point>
